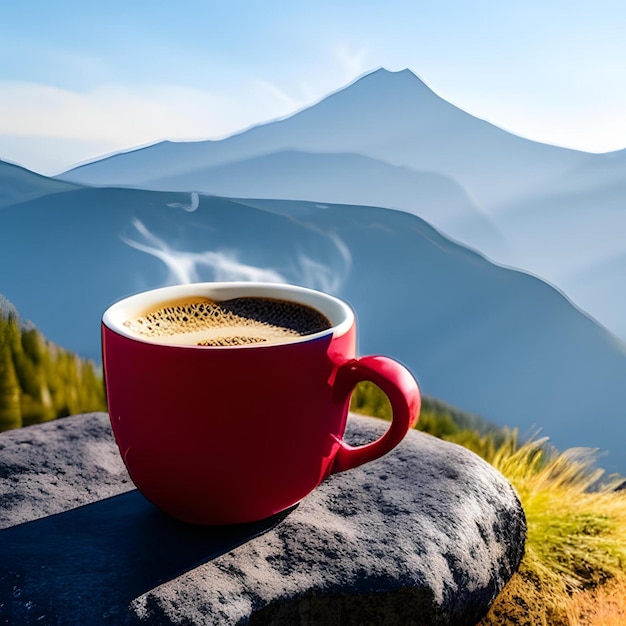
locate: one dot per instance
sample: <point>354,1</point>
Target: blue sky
<point>79,80</point>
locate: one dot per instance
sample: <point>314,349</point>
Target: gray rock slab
<point>428,534</point>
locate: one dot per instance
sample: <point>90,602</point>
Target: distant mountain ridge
<point>390,116</point>
<point>388,140</point>
<point>297,175</point>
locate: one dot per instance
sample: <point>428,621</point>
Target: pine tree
<point>10,411</point>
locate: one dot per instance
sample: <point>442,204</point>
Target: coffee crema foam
<point>236,322</point>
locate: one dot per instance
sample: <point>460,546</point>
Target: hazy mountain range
<point>490,340</point>
<point>494,341</point>
<point>387,140</point>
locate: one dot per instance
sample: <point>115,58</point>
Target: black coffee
<point>235,322</point>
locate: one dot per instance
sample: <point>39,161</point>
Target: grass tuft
<point>576,538</point>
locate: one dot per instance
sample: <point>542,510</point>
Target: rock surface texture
<point>428,534</point>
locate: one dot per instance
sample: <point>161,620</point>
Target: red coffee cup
<point>223,435</point>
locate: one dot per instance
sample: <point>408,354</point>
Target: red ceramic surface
<point>222,435</point>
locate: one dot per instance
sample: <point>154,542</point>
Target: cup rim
<point>339,312</point>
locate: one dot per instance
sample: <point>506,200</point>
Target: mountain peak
<point>377,90</point>
<point>391,77</point>
<point>384,71</point>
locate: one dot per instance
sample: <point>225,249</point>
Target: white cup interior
<point>337,311</point>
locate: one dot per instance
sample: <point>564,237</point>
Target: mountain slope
<point>496,342</point>
<point>18,184</point>
<point>600,172</point>
<point>574,238</point>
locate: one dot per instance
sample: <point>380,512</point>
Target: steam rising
<point>186,267</point>
<point>183,266</point>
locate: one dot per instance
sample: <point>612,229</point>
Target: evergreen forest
<point>40,381</point>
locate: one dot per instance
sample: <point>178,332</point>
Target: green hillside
<point>40,381</point>
<point>436,417</point>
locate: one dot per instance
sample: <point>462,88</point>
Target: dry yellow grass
<point>574,567</point>
<point>604,606</point>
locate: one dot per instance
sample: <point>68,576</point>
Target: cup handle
<point>403,393</point>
